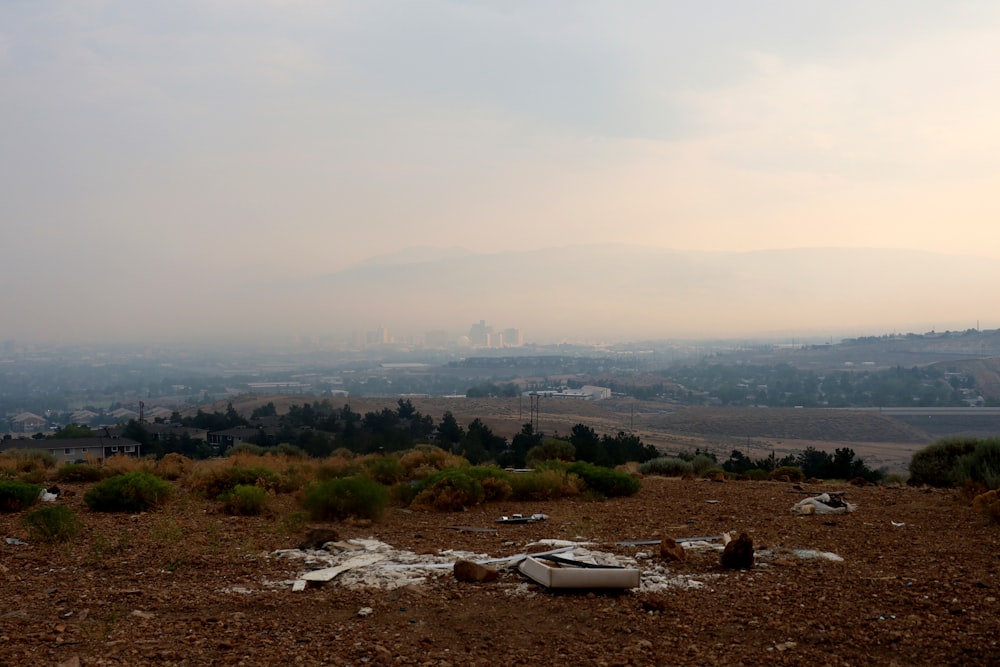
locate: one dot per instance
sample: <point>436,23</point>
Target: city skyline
<point>178,170</point>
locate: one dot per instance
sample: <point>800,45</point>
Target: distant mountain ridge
<point>635,292</point>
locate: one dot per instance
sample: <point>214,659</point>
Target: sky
<point>157,156</point>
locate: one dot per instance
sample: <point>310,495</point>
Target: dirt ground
<point>187,585</point>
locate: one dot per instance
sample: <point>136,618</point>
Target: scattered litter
<point>48,495</point>
<point>16,542</point>
<point>679,540</point>
<point>520,518</point>
<point>824,503</point>
<point>810,554</point>
<point>712,502</point>
<point>365,611</point>
<point>899,524</point>
<point>473,529</point>
<point>328,573</point>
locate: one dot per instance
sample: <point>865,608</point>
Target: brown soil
<point>186,585</point>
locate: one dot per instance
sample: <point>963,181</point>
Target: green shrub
<point>757,474</point>
<point>702,463</point>
<point>345,497</point>
<point>36,476</point>
<point>713,472</point>
<point>605,481</point>
<point>937,464</point>
<point>788,473</point>
<point>337,466</point>
<point>449,490</point>
<point>545,484</point>
<point>244,500</point>
<point>15,495</point>
<point>982,466</point>
<point>551,449</point>
<point>667,466</point>
<point>53,523</point>
<point>401,494</point>
<point>79,472</point>
<point>385,470</point>
<point>213,482</point>
<point>132,492</point>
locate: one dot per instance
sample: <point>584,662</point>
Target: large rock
<point>466,570</point>
<point>317,537</point>
<point>671,551</point>
<point>738,554</point>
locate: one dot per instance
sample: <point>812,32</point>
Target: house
<point>84,417</point>
<point>223,440</point>
<point>27,422</point>
<point>71,450</point>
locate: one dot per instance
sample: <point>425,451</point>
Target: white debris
<point>659,578</point>
<point>815,554</point>
<point>824,503</point>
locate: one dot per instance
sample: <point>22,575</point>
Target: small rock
<point>671,551</point>
<point>466,570</point>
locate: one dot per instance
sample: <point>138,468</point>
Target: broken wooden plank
<point>328,573</point>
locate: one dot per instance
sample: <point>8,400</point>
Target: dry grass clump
<point>173,466</point>
<point>338,465</point>
<point>29,465</point>
<point>278,474</point>
<point>787,474</point>
<point>424,460</point>
<point>119,464</point>
<point>988,504</point>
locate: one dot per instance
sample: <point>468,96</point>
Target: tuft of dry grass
<point>119,464</point>
<point>424,460</point>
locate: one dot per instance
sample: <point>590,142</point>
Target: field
<point>909,578</point>
<point>883,441</point>
<point>187,585</point>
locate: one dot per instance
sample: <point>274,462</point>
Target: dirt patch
<point>910,577</point>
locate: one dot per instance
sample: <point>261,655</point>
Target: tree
<point>516,455</point>
<point>73,431</point>
<point>588,445</point>
<point>481,444</point>
<point>449,432</point>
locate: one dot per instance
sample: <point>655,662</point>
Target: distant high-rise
<point>479,334</point>
<point>513,338</point>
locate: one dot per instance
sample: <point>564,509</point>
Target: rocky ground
<point>186,585</point>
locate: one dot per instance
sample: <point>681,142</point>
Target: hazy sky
<point>155,154</point>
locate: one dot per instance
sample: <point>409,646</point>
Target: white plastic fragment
<point>823,504</point>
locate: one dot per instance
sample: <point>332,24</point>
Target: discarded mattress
<point>554,572</point>
<point>824,503</point>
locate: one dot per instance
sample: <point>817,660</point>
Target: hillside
<point>907,579</point>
